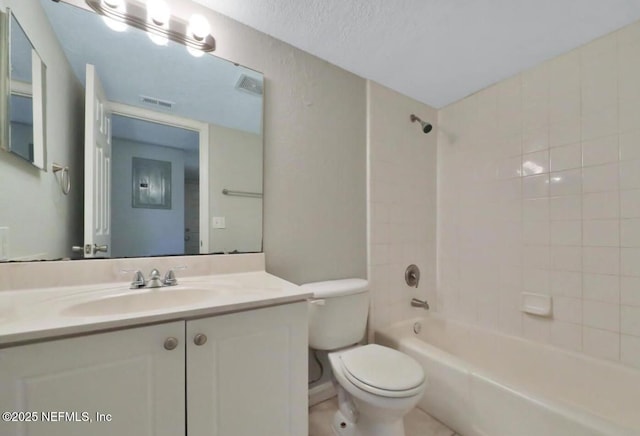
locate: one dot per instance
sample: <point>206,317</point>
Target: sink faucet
<point>138,279</point>
<point>154,278</point>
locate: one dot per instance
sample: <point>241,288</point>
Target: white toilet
<point>376,385</point>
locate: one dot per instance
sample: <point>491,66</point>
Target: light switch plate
<point>218,222</point>
<point>4,243</point>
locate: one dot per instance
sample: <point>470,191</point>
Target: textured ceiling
<point>436,51</point>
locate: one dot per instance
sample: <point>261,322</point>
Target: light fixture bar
<point>136,15</point>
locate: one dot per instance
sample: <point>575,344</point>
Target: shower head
<point>426,127</point>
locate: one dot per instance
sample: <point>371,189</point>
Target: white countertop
<point>36,314</point>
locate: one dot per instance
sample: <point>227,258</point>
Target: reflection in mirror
<point>26,103</point>
<point>203,115</point>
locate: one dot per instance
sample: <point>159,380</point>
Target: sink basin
<point>145,300</point>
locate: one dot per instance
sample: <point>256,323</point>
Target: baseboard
<point>321,392</point>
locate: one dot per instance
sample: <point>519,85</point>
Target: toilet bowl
<point>376,385</point>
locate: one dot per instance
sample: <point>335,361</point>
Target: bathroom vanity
<point>230,361</point>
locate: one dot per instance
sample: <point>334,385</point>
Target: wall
<point>236,164</point>
<point>141,231</point>
<point>402,203</point>
<point>539,190</point>
<point>43,222</point>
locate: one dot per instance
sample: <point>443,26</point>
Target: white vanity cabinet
<point>127,373</point>
<point>249,377</point>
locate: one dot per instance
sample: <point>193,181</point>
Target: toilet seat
<point>382,371</point>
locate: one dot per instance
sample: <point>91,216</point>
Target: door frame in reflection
<point>203,133</point>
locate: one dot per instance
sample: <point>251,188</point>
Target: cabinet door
<point>250,377</point>
<point>127,374</point>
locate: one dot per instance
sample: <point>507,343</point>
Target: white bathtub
<point>482,383</point>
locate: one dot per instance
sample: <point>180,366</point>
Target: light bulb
<point>158,39</point>
<point>198,27</point>
<point>158,12</point>
<point>120,7</point>
<point>195,52</point>
<point>115,4</point>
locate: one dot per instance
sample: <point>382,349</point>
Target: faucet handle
<point>138,278</point>
<point>170,276</point>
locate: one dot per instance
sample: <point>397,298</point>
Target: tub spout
<point>420,303</point>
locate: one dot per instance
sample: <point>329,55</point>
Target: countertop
<point>46,313</point>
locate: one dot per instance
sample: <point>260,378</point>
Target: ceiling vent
<point>156,102</point>
<point>249,84</point>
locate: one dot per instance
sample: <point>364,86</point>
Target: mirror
<point>26,105</point>
<point>181,172</point>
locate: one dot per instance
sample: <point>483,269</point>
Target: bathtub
<point>483,383</point>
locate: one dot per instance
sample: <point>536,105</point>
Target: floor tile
<point>416,423</point>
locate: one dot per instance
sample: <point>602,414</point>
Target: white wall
<point>43,221</point>
<point>236,164</point>
<point>402,203</point>
<point>538,191</point>
<point>141,231</point>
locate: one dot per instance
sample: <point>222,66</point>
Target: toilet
<point>376,385</point>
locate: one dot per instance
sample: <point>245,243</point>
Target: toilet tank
<point>337,313</point>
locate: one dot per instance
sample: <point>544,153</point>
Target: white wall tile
<point>565,132</point>
<point>535,209</point>
<point>601,205</point>
<point>601,260</point>
<point>629,261</point>
<point>605,316</point>
<point>566,183</point>
<point>630,350</point>
<point>629,114</point>
<point>630,320</point>
<point>600,178</point>
<point>630,204</point>
<point>630,291</point>
<point>600,151</point>
<point>567,309</point>
<point>630,174</point>
<point>566,208</point>
<point>566,335</point>
<point>535,163</point>
<point>630,144</point>
<point>536,139</point>
<point>601,287</point>
<point>536,329</point>
<point>601,343</point>
<point>601,233</point>
<point>566,157</point>
<point>566,283</point>
<point>600,123</point>
<point>535,186</point>
<point>630,232</point>
<point>550,179</point>
<point>566,258</point>
<point>566,232</point>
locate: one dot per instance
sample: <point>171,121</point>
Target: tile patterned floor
<point>416,423</point>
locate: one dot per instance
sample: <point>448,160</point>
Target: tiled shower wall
<point>539,191</point>
<point>402,203</point>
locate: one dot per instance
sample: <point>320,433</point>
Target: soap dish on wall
<point>536,304</point>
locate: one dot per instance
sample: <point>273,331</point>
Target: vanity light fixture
<point>154,17</point>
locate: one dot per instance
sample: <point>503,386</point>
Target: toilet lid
<point>382,369</point>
